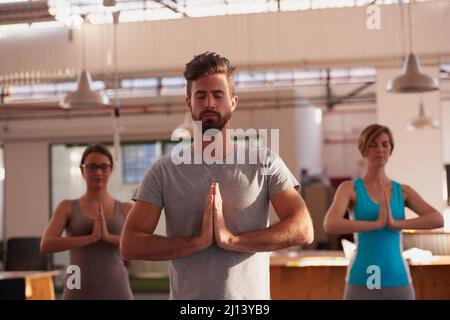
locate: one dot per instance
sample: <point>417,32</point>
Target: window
<point>137,158</point>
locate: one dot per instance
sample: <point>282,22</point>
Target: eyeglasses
<point>92,167</point>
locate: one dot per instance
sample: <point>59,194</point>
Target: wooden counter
<point>321,275</point>
<point>38,284</point>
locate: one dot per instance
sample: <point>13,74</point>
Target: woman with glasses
<point>93,224</point>
<point>377,204</point>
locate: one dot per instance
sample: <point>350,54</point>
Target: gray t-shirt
<point>246,189</point>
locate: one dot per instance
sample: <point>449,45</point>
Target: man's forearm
<point>294,230</point>
<point>152,247</point>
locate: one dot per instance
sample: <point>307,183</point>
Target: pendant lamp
<point>412,79</point>
<point>422,121</point>
<point>84,96</point>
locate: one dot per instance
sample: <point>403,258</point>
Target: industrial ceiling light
<point>84,96</point>
<point>412,79</point>
<point>422,121</point>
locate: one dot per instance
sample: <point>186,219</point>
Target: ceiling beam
<point>172,5</point>
<point>24,12</point>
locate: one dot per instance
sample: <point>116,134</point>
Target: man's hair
<point>370,133</point>
<point>206,64</point>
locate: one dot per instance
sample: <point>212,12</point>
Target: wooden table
<point>38,284</point>
<point>321,275</point>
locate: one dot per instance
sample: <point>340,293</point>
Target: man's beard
<point>210,123</point>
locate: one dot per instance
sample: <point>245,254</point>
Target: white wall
<point>445,125</point>
<point>342,126</point>
<point>26,188</point>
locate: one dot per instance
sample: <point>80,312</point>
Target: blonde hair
<point>370,133</point>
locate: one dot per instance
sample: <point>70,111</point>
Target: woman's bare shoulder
<point>65,207</point>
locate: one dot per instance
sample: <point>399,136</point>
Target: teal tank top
<point>383,247</point>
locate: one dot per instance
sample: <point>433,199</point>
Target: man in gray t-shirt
<point>217,213</point>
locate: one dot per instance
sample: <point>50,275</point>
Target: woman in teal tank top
<point>377,204</point>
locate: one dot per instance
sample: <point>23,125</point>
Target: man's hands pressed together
<point>294,227</point>
<point>214,228</point>
<point>206,236</point>
<point>223,236</point>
